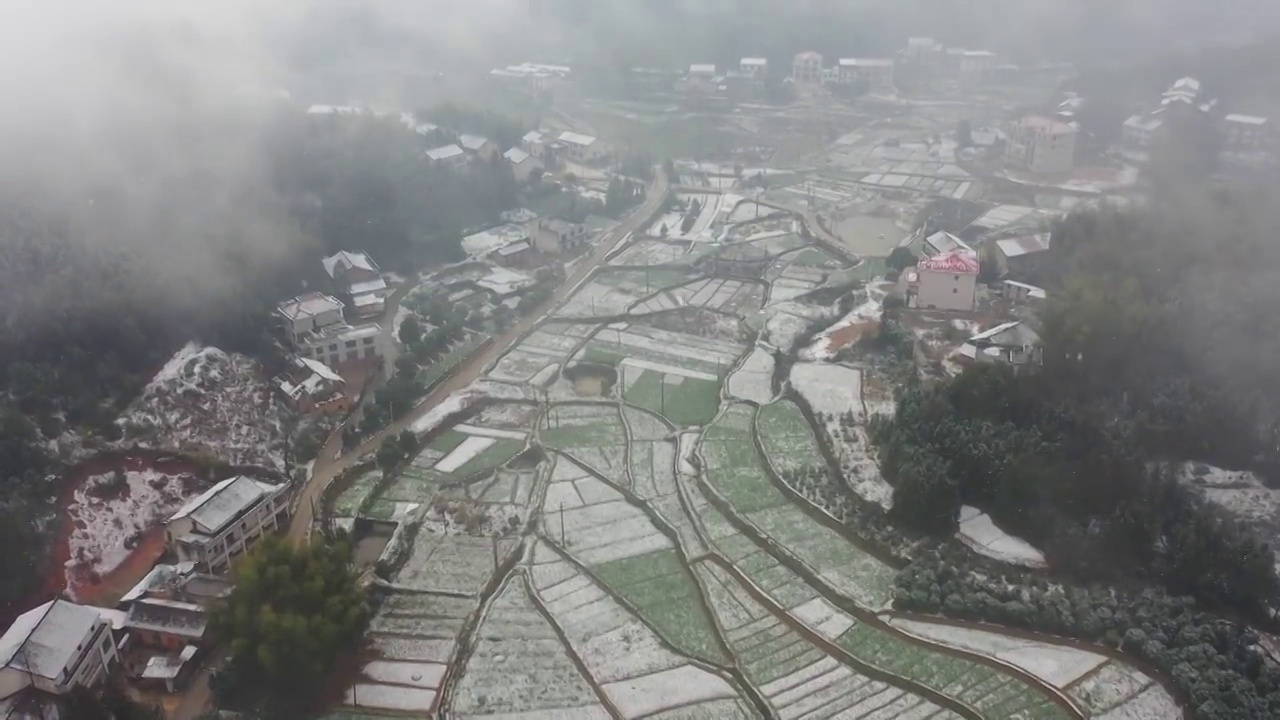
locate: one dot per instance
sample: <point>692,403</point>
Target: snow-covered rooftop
<point>482,243</point>
<point>163,667</point>
<point>516,156</point>
<point>1047,125</point>
<point>866,62</point>
<point>1003,216</point>
<point>222,503</point>
<point>702,69</point>
<point>943,242</point>
<point>345,260</point>
<point>574,138</point>
<point>309,305</point>
<point>473,143</point>
<point>501,281</point>
<point>755,61</point>
<point>1032,291</point>
<point>368,287</point>
<point>445,152</point>
<point>1245,119</point>
<point>533,137</point>
<point>43,640</point>
<point>1025,245</point>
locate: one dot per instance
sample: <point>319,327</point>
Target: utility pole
<point>562,526</point>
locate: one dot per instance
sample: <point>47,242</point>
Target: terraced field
<point>628,546</point>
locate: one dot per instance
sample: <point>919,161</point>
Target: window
<point>353,355</point>
<point>368,341</point>
<point>351,344</point>
<point>333,347</point>
<point>955,291</point>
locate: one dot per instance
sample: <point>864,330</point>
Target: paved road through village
<point>328,466</point>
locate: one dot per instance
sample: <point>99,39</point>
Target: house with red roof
<point>948,281</point>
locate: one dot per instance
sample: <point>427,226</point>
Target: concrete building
<point>920,49</point>
<point>806,68</point>
<point>523,164</point>
<point>1012,343</point>
<point>702,71</point>
<point>948,281</point>
<point>449,155</point>
<point>315,326</point>
<point>756,68</point>
<point>356,276</point>
<point>310,386</point>
<point>1020,255</point>
<point>478,146</point>
<point>974,66</point>
<point>876,74</point>
<point>227,520</point>
<point>552,236</point>
<point>1143,131</point>
<point>582,148</point>
<point>1245,133</point>
<point>56,647</point>
<point>1041,145</point>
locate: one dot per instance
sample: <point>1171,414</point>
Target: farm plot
<point>735,297</point>
<point>796,677</point>
<point>591,434</point>
<point>1058,665</point>
<point>595,525</point>
<point>347,503</point>
<point>452,563</point>
<point>453,455</point>
<point>437,371</point>
<point>1119,692</point>
<point>753,380</point>
<point>519,666</point>
<point>830,390</point>
<point>599,299</point>
<point>993,694</point>
<point>549,345</point>
<point>634,667</point>
<point>685,397</point>
<point>785,323</point>
<point>414,636</point>
<point>983,536</point>
<point>694,354</point>
<point>777,242</point>
<point>788,440</point>
<point>655,252</point>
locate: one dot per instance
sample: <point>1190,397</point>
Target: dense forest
<point>97,291</point>
<point>1158,346</point>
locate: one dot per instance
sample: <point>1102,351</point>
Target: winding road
<point>330,463</point>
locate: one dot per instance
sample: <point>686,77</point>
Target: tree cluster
<point>622,195</point>
<point>294,612</point>
<point>1214,662</point>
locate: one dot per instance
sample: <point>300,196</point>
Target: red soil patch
<point>86,586</point>
<point>851,334</point>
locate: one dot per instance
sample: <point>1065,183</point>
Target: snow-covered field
<point>105,528</point>
<point>981,534</point>
<point>833,339</point>
<point>1120,692</point>
<point>1055,664</point>
<point>204,399</point>
<point>594,524</point>
<point>753,380</point>
<point>829,389</point>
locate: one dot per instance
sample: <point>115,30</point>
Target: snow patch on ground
<point>204,399</point>
<point>753,380</point>
<point>833,339</point>
<point>983,537</point>
<point>106,528</point>
<point>1057,665</point>
<point>676,687</point>
<point>1154,703</point>
<point>464,453</point>
<point>829,389</point>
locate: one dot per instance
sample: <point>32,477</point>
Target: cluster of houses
<point>1184,108</point>
<point>525,240</point>
<point>329,336</point>
<point>156,636</point>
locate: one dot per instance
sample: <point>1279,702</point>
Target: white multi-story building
<point>876,73</point>
<point>754,67</point>
<point>56,647</point>
<point>948,281</point>
<point>315,326</point>
<point>806,68</point>
<point>582,148</point>
<point>1245,133</point>
<point>225,521</point>
<point>450,155</point>
<point>1041,145</point>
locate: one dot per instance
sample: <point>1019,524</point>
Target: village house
<point>310,386</point>
<point>479,245</point>
<point>227,520</point>
<point>534,142</point>
<point>478,146</point>
<point>1012,343</point>
<point>875,73</point>
<point>1041,145</point>
<point>755,68</point>
<point>1019,256</point>
<point>358,277</point>
<point>947,282</point>
<point>553,235</point>
<point>975,66</point>
<point>582,148</point>
<point>55,647</point>
<point>1143,131</point>
<point>702,71</point>
<point>448,155</point>
<point>919,49</point>
<point>315,326</point>
<point>806,68</point>
<point>942,243</point>
<point>522,163</point>
<point>1245,133</point>
<point>1014,290</point>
